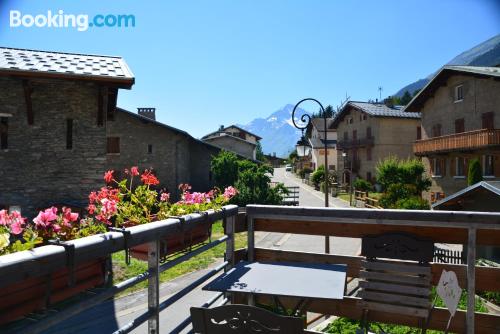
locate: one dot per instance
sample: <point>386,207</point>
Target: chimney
<point>147,112</point>
<point>221,127</point>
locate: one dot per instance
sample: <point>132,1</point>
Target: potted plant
<point>125,203</point>
<point>37,293</point>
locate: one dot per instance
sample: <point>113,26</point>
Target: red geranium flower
<point>149,179</point>
<point>108,176</point>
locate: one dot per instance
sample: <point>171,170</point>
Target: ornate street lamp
<point>301,144</point>
<point>303,147</point>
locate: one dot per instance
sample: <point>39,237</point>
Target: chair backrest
<point>231,319</point>
<point>396,286</point>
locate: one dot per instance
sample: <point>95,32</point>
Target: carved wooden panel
<point>242,319</point>
<point>397,246</point>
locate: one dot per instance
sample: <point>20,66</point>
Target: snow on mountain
<point>277,131</point>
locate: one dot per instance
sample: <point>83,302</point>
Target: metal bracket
<point>70,257</point>
<point>126,237</point>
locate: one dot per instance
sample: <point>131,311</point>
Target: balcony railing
<point>353,143</point>
<point>457,142</point>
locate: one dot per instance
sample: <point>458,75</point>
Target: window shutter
<point>496,165</point>
<point>443,166</point>
<point>113,145</point>
<point>466,166</point>
<point>431,162</point>
<point>453,162</point>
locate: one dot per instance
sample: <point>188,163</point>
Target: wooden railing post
<point>471,279</point>
<point>154,287</point>
<point>230,225</point>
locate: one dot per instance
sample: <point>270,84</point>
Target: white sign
<point>449,290</point>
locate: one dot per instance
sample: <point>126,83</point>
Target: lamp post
<point>301,144</point>
<point>344,155</point>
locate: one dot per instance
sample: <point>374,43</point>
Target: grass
<point>122,272</point>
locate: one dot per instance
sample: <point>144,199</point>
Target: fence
<point>47,259</point>
<point>368,202</point>
<point>443,255</point>
<point>468,228</point>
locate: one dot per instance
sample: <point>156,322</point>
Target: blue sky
<point>205,63</point>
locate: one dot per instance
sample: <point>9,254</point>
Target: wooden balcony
<point>354,143</point>
<point>464,141</point>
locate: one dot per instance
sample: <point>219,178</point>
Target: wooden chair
<point>401,288</point>
<point>235,319</point>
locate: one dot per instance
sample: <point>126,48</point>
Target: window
<point>459,125</point>
<point>438,166</point>
<point>354,134</point>
<point>460,166</point>
<point>4,131</point>
<point>364,117</point>
<point>113,145</point>
<point>69,134</point>
<point>487,120</point>
<point>369,153</point>
<point>346,136</point>
<point>489,169</point>
<point>110,110</point>
<point>459,93</point>
<point>368,132</point>
<point>436,130</point>
<point>150,149</point>
<point>419,132</point>
<point>368,176</point>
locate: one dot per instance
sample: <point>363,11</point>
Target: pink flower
<point>4,216</point>
<point>164,197</point>
<point>69,217</point>
<point>14,221</point>
<point>45,218</point>
<point>134,171</point>
<point>108,176</point>
<point>149,179</point>
<point>230,192</point>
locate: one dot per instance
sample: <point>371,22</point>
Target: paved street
<point>308,197</point>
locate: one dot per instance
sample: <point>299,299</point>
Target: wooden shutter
<point>419,132</point>
<point>459,125</point>
<point>487,120</point>
<point>443,166</point>
<point>113,145</point>
<point>466,166</point>
<point>496,165</point>
<point>431,162</point>
<point>4,130</point>
<point>453,166</point>
<point>368,132</point>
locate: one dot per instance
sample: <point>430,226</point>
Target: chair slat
<point>395,288</point>
<point>392,277</point>
<point>395,299</point>
<point>397,267</point>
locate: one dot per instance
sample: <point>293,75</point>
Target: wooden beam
<point>359,230</point>
<point>350,307</point>
<point>28,89</point>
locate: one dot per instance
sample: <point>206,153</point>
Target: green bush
<point>318,176</point>
<point>362,185</point>
<point>393,171</point>
<point>412,203</point>
<point>475,175</point>
<point>250,179</point>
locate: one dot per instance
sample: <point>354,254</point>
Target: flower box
<point>37,293</point>
<point>175,242</point>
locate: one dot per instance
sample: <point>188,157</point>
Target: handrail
<point>47,259</point>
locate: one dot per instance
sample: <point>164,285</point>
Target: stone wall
<point>37,169</point>
<point>175,156</point>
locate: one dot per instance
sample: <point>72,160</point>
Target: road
<point>308,197</point>
<point>113,314</point>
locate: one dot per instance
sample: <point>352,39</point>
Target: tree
<point>402,182</point>
<point>224,167</point>
<point>259,154</point>
<point>406,98</point>
<point>474,175</point>
<point>329,111</point>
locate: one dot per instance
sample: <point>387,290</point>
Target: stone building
<point>460,110</point>
<point>369,132</point>
<point>234,139</point>
<point>60,131</point>
<point>317,142</point>
<point>53,109</point>
<point>174,155</point>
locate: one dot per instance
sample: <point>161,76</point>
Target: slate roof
<point>492,186</point>
<point>320,143</point>
<point>319,124</point>
<point>216,133</point>
<point>374,109</point>
<point>440,78</point>
<point>24,62</point>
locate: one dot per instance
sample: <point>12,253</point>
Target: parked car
<point>288,168</point>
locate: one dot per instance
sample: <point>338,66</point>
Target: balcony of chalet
<point>465,141</point>
<point>392,275</point>
<point>355,143</point>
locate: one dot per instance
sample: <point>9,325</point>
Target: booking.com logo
<point>59,19</point>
